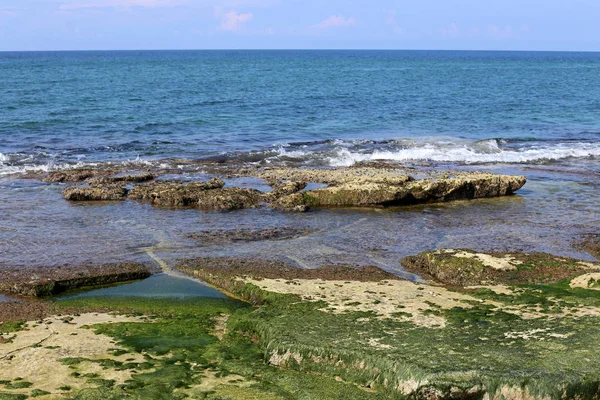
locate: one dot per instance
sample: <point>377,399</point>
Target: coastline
<point>385,337</point>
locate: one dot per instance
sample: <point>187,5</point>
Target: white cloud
<point>232,21</point>
<point>79,5</point>
<point>336,21</point>
<point>500,32</point>
<point>451,31</point>
<point>392,20</point>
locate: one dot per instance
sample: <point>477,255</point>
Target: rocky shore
<point>364,186</point>
<point>483,325</point>
<point>479,325</point>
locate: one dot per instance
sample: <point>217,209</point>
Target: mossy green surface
<point>485,345</point>
<point>10,326</point>
<point>181,350</point>
<point>481,346</point>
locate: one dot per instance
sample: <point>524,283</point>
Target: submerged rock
<point>95,193</point>
<point>246,235</point>
<point>468,268</point>
<point>591,244</point>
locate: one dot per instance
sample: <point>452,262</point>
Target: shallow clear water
<point>536,114</point>
<point>548,214</point>
<point>157,286</point>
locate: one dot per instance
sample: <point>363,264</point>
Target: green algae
<point>465,267</point>
<point>484,346</point>
<point>181,348</point>
<point>12,326</point>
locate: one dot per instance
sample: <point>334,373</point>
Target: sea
<point>528,113</point>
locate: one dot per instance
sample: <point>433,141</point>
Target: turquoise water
<point>157,286</point>
<point>535,114</point>
<point>316,107</point>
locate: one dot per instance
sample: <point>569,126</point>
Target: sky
<point>572,25</point>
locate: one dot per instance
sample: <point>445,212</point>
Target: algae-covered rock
<point>222,236</point>
<point>286,188</point>
<point>228,199</point>
<point>591,244</point>
<point>76,175</point>
<point>204,195</point>
<point>292,202</point>
<point>107,180</point>
<point>175,193</point>
<point>95,193</point>
<point>467,267</point>
<point>369,187</point>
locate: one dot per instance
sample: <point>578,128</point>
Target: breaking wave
<point>336,152</point>
<point>447,150</point>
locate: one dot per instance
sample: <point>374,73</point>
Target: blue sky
<point>290,24</point>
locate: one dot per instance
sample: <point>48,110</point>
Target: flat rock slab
<point>95,193</point>
<point>220,236</point>
<point>367,187</point>
<point>46,282</point>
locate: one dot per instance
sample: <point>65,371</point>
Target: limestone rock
<point>285,188</point>
<point>367,187</point>
<point>204,195</point>
<point>105,180</point>
<point>174,194</point>
<point>95,193</point>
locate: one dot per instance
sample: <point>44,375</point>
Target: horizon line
<point>299,49</point>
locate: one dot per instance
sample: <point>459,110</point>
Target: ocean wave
<point>11,165</point>
<point>450,150</point>
<point>334,152</point>
<point>469,155</point>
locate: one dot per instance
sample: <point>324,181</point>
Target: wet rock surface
<point>24,311</point>
<point>45,282</point>
<point>135,178</point>
<point>286,188</point>
<point>210,196</point>
<point>467,267</point>
<point>591,244</point>
<point>109,192</point>
<point>346,187</point>
<point>247,235</point>
<point>204,195</point>
<point>273,269</point>
<point>367,186</point>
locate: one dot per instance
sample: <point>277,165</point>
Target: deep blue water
<point>318,107</point>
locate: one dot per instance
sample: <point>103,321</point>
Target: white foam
<point>470,154</point>
<point>25,166</point>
